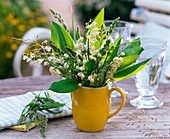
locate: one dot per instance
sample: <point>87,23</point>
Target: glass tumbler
<point>122,28</point>
<point>147,80</point>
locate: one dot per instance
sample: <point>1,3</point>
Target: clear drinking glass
<point>147,80</point>
<point>122,28</point>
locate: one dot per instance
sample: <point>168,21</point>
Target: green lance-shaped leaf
<point>60,37</point>
<point>114,50</point>
<point>128,43</point>
<point>99,19</point>
<point>137,43</point>
<point>90,66</point>
<point>53,112</point>
<point>64,86</point>
<point>132,51</point>
<point>52,105</point>
<point>127,61</point>
<point>127,72</point>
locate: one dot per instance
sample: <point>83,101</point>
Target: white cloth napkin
<point>11,107</point>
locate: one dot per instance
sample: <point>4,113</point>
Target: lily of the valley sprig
<point>91,60</point>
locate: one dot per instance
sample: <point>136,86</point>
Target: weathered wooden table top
<point>116,126</point>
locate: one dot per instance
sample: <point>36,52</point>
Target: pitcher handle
<point>122,103</point>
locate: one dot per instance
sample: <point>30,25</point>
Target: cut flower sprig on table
<point>91,60</point>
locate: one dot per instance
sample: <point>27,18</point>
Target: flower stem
<point>88,51</point>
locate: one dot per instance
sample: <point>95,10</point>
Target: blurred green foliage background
<point>88,9</point>
<point>16,18</point>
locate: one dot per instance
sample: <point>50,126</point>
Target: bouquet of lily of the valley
<point>90,60</point>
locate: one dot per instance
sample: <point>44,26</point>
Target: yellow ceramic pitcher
<point>91,107</point>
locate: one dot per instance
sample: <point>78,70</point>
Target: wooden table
<point>116,127</point>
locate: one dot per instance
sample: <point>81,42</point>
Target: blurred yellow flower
<point>4,38</point>
<point>30,14</point>
<point>14,22</point>
<point>14,47</point>
<point>21,27</point>
<point>9,54</point>
<point>31,21</point>
<point>41,20</point>
<point>21,19</point>
<point>11,15</point>
<point>10,40</point>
